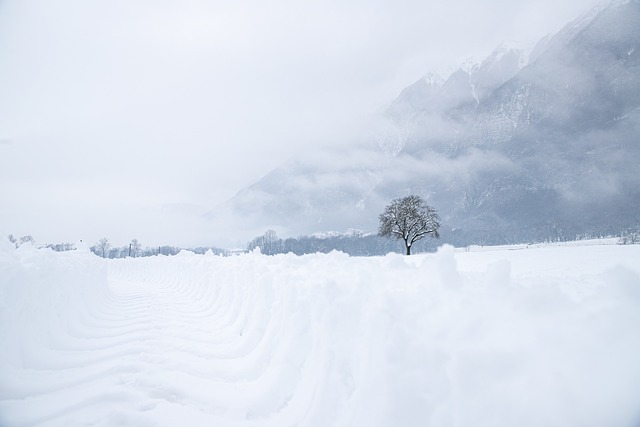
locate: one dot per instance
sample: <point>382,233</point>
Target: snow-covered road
<point>543,336</point>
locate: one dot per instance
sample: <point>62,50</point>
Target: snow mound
<point>529,337</point>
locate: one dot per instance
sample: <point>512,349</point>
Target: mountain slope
<point>522,146</point>
<point>570,122</point>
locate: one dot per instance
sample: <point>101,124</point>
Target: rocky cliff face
<point>569,124</point>
<point>525,145</point>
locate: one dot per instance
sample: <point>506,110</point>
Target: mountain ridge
<point>525,145</point>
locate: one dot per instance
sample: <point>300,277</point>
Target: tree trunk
<point>408,248</point>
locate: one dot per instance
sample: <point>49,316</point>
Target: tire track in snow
<point>163,337</point>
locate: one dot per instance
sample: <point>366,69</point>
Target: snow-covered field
<point>544,336</point>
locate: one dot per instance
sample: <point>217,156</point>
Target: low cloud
<point>189,102</point>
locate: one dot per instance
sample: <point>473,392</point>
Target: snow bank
<point>543,336</point>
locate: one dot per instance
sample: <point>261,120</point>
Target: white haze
<point>131,119</point>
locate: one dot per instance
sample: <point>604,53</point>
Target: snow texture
<point>544,336</point>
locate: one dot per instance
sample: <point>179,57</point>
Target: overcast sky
<point>129,118</point>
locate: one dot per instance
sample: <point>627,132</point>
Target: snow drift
<point>531,337</point>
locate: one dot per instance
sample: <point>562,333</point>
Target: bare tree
<point>410,219</point>
<point>269,243</point>
<point>103,247</point>
<point>629,237</point>
<point>134,248</point>
<point>26,239</point>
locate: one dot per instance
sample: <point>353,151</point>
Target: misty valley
<point>527,145</point>
<point>467,258</point>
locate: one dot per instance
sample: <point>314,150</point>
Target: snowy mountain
<point>527,144</point>
<point>472,82</point>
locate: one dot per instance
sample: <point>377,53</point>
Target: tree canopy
<point>410,219</point>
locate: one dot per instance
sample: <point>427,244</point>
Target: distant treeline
<point>360,244</point>
<point>354,243</point>
<point>103,248</point>
<point>123,251</point>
